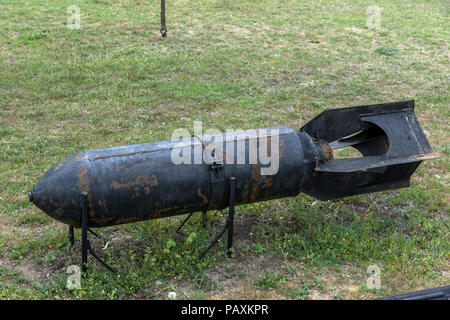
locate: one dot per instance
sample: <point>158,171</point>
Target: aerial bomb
<point>160,179</point>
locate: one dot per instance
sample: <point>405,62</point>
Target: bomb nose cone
<point>59,188</point>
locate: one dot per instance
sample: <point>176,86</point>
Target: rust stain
<point>124,220</point>
<point>91,211</point>
<point>244,189</point>
<point>59,165</point>
<point>254,191</point>
<point>83,181</point>
<point>158,212</point>
<point>268,182</point>
<point>201,195</point>
<point>327,151</point>
<point>139,181</point>
<point>255,173</point>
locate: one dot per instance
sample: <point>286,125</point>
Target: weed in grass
<point>387,51</point>
<point>270,280</point>
<point>299,292</point>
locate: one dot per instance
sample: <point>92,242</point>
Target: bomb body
<point>141,182</point>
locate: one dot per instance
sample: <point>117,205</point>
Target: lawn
<point>231,64</point>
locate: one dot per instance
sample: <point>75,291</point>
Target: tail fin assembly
<point>387,135</point>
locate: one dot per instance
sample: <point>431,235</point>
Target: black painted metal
<point>98,258</point>
<point>141,182</point>
<point>388,136</point>
<point>230,221</point>
<point>84,228</point>
<point>71,236</point>
<point>216,239</point>
<point>204,218</point>
<point>163,19</point>
<point>184,221</point>
<point>85,243</point>
<point>93,232</point>
<point>229,224</point>
<point>440,293</point>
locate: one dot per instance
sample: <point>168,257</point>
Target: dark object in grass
<point>441,293</point>
<point>163,29</point>
<point>387,51</point>
<point>142,182</point>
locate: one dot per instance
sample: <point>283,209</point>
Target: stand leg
<point>228,224</point>
<point>185,220</point>
<point>71,236</point>
<point>98,259</point>
<point>163,19</point>
<point>220,235</point>
<point>231,215</point>
<point>85,244</point>
<point>84,227</point>
<point>204,218</point>
<point>204,213</point>
<point>94,233</point>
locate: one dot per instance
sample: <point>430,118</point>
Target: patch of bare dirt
<point>235,278</point>
<point>27,269</point>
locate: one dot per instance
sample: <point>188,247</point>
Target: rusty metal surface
<point>140,182</point>
<point>388,136</point>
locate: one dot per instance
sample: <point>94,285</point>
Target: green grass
<point>235,65</point>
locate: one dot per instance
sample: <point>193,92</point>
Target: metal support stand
<point>84,225</point>
<point>204,218</point>
<point>185,220</point>
<point>231,215</point>
<point>163,19</point>
<point>229,224</point>
<point>204,213</point>
<point>71,235</point>
<point>85,244</point>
